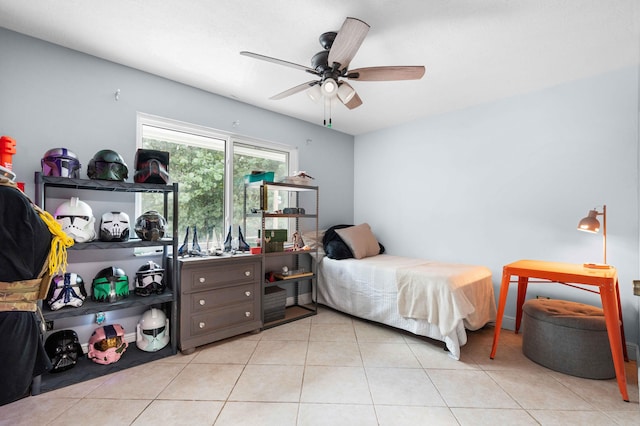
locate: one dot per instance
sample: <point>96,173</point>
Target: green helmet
<point>107,164</point>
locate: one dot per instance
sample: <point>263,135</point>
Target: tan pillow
<point>360,240</point>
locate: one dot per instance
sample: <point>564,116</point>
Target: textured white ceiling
<point>474,50</point>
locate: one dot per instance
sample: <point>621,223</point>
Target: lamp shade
<point>315,93</point>
<point>329,87</point>
<point>346,92</point>
<point>590,223</point>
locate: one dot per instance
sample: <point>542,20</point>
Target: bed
<point>433,299</point>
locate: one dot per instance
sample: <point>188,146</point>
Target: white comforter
<point>449,298</point>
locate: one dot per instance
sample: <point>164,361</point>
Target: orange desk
<point>570,274</point>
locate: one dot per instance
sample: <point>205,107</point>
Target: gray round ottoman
<point>568,337</point>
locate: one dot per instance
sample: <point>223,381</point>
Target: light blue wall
<point>55,97</point>
<point>510,180</point>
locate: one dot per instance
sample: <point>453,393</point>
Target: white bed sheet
<point>367,288</point>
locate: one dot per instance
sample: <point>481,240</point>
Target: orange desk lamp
<point>592,224</point>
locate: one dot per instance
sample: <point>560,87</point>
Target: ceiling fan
<point>331,66</point>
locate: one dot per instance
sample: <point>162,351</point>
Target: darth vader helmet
<point>76,219</point>
<point>110,285</point>
<point>151,166</point>
<point>107,164</point>
<point>107,344</point>
<point>153,331</point>
<point>114,226</point>
<point>149,279</point>
<point>60,162</point>
<point>63,349</point>
<point>150,226</point>
<point>66,290</point>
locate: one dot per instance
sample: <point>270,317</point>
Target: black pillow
<point>335,247</point>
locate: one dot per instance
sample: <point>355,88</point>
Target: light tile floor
<point>331,369</point>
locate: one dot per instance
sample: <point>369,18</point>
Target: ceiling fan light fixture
<point>329,87</point>
<point>346,92</point>
<point>315,93</point>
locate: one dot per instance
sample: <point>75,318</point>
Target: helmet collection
<point>107,344</point>
<point>107,164</point>
<point>150,226</point>
<point>60,162</point>
<point>149,279</point>
<point>76,219</point>
<point>110,285</point>
<point>63,349</point>
<point>152,331</point>
<point>66,290</point>
<point>114,226</point>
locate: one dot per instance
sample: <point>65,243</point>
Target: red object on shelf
<point>7,149</point>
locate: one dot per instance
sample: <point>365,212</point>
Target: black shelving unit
<point>86,369</point>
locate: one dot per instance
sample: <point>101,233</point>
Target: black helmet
<point>107,165</point>
<point>152,166</point>
<point>149,279</point>
<point>63,349</point>
<point>109,285</point>
<point>150,226</point>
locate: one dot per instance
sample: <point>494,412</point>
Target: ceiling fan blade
<point>347,42</point>
<point>355,102</point>
<point>294,90</point>
<point>279,61</point>
<point>386,73</point>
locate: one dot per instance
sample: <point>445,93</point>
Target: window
<point>209,166</point>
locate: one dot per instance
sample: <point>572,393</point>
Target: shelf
<point>296,277</point>
<point>102,185</point>
<point>292,313</point>
<point>91,307</point>
<point>85,369</point>
<point>283,186</point>
<point>97,244</point>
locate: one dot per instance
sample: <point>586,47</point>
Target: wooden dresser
<point>219,298</point>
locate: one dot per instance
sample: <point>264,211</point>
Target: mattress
<point>451,298</point>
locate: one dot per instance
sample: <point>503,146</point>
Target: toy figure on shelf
<point>227,241</point>
<point>242,244</point>
<point>298,244</point>
<point>184,248</point>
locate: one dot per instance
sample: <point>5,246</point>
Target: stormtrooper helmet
<point>153,331</point>
<point>76,219</point>
<point>66,290</point>
<point>114,226</point>
<point>150,226</point>
<point>107,344</point>
<point>110,285</point>
<point>63,349</point>
<point>107,164</point>
<point>149,279</point>
<point>60,162</point>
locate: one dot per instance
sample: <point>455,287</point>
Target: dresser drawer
<point>223,275</point>
<point>211,321</point>
<point>226,296</point>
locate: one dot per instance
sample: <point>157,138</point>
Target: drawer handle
<point>247,273</point>
<point>201,279</point>
<point>247,314</point>
<point>202,302</point>
<point>247,293</point>
<point>202,325</point>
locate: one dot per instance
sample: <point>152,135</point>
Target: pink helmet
<point>107,344</point>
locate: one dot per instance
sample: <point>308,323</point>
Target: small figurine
<point>227,241</point>
<point>242,244</point>
<point>298,244</point>
<point>184,248</point>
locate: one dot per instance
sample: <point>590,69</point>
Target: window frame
<point>230,141</point>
